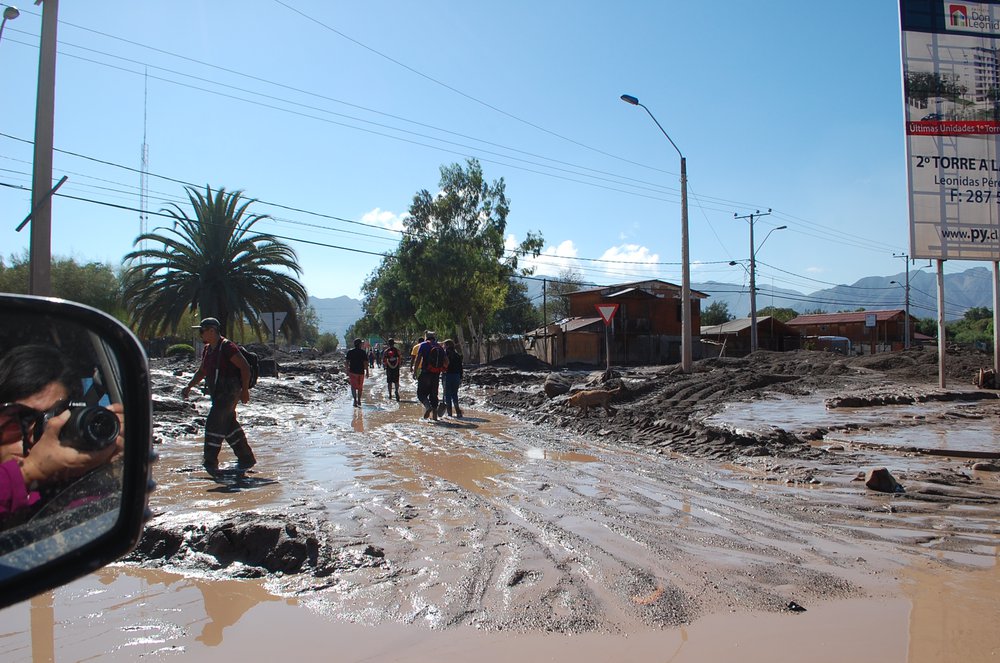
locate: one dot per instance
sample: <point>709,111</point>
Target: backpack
<point>254,362</point>
<point>435,359</point>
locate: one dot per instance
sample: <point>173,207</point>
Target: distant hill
<point>336,314</point>
<point>962,290</point>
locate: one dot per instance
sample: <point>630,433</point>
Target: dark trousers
<point>451,384</point>
<point>427,388</point>
<point>392,378</point>
<point>222,425</point>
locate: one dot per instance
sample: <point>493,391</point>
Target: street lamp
<point>906,288</point>
<point>686,336</point>
<point>9,14</point>
<point>753,274</point>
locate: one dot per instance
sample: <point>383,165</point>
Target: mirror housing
<point>50,549</point>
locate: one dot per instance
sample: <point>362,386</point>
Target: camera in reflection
<point>89,427</point>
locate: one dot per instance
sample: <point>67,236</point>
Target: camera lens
<point>90,428</point>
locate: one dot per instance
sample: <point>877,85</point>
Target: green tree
<point>779,314</point>
<point>926,326</point>
<point>212,262</point>
<point>978,313</point>
<point>518,315</point>
<point>327,342</point>
<point>715,313</point>
<point>976,326</point>
<point>93,283</point>
<point>308,320</point>
<point>451,267</point>
<point>556,302</point>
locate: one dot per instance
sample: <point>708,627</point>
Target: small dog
<point>594,397</point>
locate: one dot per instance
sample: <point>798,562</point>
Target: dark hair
<point>27,369</point>
<point>358,342</point>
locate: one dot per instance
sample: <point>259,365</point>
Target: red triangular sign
<point>607,311</point>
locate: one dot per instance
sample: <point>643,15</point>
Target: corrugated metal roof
<point>617,287</point>
<point>575,324</point>
<point>731,327</point>
<point>842,318</point>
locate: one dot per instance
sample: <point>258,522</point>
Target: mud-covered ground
<point>736,489</point>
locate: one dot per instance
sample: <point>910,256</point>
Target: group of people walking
<point>431,362</point>
<point>227,377</point>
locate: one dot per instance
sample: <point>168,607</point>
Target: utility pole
<point>40,270</point>
<point>906,335</point>
<point>753,276</point>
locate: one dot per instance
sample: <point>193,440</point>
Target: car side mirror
<point>82,508</point>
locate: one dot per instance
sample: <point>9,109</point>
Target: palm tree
<point>211,263</point>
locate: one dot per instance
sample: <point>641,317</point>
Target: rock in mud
<point>986,467</point>
<point>881,480</point>
<point>556,385</point>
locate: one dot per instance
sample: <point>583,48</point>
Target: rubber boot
<point>449,410</point>
<point>458,411</point>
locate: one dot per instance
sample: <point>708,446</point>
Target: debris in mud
<point>256,544</point>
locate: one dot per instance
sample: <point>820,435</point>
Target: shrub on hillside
<point>180,350</point>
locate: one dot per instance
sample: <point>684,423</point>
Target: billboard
<point>951,98</point>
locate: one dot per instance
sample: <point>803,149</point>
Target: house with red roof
<point>869,332</point>
<point>645,328</point>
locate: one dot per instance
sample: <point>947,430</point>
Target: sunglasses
<point>28,420</point>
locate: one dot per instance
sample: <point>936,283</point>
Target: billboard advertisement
<point>951,97</point>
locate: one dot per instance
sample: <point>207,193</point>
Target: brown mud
<point>728,500</point>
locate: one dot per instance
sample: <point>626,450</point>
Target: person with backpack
<point>431,362</point>
<point>357,370</point>
<point>452,378</point>
<point>227,375</point>
<point>391,359</point>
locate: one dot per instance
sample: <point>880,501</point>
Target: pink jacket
<point>13,494</point>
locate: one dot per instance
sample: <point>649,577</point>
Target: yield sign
<point>607,312</point>
<point>273,320</point>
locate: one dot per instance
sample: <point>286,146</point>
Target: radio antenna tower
<point>144,168</point>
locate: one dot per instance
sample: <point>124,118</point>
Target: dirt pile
<point>665,408</point>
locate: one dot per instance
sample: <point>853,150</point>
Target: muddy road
<point>710,514</point>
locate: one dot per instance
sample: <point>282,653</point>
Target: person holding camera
<point>36,385</point>
<point>227,375</point>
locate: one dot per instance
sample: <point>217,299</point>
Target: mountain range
<point>962,290</point>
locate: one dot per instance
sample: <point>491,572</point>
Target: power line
<point>839,237</point>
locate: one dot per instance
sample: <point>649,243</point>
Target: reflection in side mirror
<point>75,443</point>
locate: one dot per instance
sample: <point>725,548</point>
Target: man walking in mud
<point>430,362</point>
<point>391,359</point>
<point>357,370</point>
<point>227,375</point>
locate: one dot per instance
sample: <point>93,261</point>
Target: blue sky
<point>333,114</point>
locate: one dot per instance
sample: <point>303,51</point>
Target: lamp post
<point>9,14</point>
<point>686,335</point>
<point>906,289</point>
<point>753,273</point>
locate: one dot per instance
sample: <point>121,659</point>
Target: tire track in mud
<point>577,550</point>
<point>458,523</point>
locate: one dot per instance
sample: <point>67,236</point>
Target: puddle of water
<point>954,614</point>
<point>564,456</point>
<point>206,620</point>
<point>809,412</point>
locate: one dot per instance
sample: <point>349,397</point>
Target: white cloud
<point>632,262</point>
<point>815,270</point>
<point>384,218</point>
<point>551,261</point>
